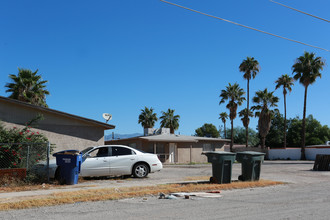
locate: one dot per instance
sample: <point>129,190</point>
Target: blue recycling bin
<point>69,162</point>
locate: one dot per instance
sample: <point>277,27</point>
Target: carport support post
<point>190,153</point>
<point>155,148</point>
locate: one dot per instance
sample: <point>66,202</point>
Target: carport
<point>173,148</point>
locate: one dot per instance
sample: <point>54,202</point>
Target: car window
<point>119,151</point>
<point>100,152</point>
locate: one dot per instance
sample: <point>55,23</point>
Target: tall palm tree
<point>234,95</point>
<point>244,115</point>
<point>306,69</point>
<point>250,67</point>
<point>265,101</point>
<point>29,87</point>
<point>147,118</point>
<point>286,82</point>
<point>169,120</point>
<point>223,116</point>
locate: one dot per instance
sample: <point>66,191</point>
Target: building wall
<point>64,132</point>
<point>192,152</point>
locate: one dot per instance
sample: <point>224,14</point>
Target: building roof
<point>105,126</point>
<point>174,138</point>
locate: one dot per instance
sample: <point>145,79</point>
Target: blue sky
<point>118,56</point>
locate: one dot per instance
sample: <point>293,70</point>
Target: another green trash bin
<point>222,163</point>
<point>251,165</point>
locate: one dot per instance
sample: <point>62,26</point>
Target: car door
<point>97,163</point>
<point>122,160</point>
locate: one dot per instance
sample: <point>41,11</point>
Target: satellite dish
<point>107,117</point>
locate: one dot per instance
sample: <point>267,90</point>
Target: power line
<point>300,11</point>
<point>299,42</point>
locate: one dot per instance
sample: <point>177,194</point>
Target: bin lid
<point>66,152</point>
<point>218,152</point>
<point>251,153</point>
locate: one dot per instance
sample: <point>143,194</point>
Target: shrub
<point>15,147</point>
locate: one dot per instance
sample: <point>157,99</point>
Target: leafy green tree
<point>169,120</point>
<point>306,69</point>
<point>274,138</point>
<point>240,136</point>
<point>224,116</point>
<point>207,130</point>
<point>250,68</point>
<point>28,87</point>
<point>315,133</point>
<point>234,95</point>
<point>265,101</point>
<point>286,82</point>
<point>147,118</point>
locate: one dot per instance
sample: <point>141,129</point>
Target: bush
<point>15,147</point>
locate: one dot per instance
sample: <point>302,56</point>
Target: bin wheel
<point>213,180</point>
<point>241,178</point>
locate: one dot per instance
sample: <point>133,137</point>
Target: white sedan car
<point>111,160</point>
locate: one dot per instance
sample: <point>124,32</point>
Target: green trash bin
<point>222,163</point>
<point>251,165</point>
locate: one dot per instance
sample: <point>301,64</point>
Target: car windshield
<point>86,150</point>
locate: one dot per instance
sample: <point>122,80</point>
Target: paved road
<point>307,196</point>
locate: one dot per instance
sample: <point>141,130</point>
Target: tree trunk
<point>247,114</point>
<point>263,142</point>
<point>303,156</point>
<point>284,121</point>
<point>232,135</point>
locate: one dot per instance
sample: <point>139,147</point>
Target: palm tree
<point>169,120</point>
<point>234,95</point>
<point>306,69</point>
<point>223,116</point>
<point>286,82</point>
<point>250,68</point>
<point>244,115</point>
<point>266,100</point>
<point>147,118</point>
<point>28,87</point>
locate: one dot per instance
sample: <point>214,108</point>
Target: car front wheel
<point>140,170</point>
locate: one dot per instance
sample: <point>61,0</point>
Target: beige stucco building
<point>65,130</point>
<point>173,148</point>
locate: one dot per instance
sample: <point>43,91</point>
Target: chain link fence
<point>17,160</point>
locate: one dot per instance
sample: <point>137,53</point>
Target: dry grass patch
<point>126,192</point>
<point>194,178</point>
<point>16,185</point>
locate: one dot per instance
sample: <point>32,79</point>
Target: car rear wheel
<point>140,170</point>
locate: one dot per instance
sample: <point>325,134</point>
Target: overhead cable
<point>299,42</point>
<point>300,11</point>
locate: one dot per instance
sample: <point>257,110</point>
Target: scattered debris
<point>210,194</point>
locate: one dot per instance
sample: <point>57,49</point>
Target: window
<point>132,145</point>
<point>208,147</point>
<point>119,151</point>
<point>100,152</point>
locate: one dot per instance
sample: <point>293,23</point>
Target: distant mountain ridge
<point>121,136</point>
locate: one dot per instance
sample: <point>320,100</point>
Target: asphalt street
<point>306,196</point>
